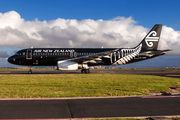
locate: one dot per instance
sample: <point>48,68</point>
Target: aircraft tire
<point>82,71</point>
<point>30,72</point>
<point>87,71</point>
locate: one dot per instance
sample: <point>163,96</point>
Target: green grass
<point>82,85</point>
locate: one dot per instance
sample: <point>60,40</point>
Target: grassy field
<point>82,85</point>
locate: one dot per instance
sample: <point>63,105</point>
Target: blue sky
<point>145,13</point>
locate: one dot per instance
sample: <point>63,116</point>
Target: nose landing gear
<point>30,70</point>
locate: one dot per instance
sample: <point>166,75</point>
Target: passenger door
<point>29,54</point>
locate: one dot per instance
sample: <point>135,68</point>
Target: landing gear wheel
<point>87,71</point>
<point>82,71</point>
<point>30,72</point>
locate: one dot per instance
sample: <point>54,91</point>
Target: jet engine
<point>67,65</point>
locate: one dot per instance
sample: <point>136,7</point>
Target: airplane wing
<point>93,56</point>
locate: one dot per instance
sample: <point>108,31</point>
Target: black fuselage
<point>50,56</point>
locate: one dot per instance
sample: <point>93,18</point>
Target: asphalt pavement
<point>159,72</point>
<point>90,108</point>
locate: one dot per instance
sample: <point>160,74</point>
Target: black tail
<point>150,42</point>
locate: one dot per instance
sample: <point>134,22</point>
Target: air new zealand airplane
<point>74,58</point>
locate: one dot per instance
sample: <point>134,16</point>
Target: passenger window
<point>75,54</point>
<point>71,54</point>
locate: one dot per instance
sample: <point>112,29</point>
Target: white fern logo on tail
<point>128,55</point>
<point>150,40</point>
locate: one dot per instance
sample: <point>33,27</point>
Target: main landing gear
<point>87,71</point>
<point>85,68</point>
<point>30,70</point>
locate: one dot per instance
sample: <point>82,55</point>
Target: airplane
<point>74,58</point>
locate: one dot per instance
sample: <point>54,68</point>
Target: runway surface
<point>90,108</point>
<point>159,72</point>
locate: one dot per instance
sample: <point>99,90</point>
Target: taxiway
<point>159,72</point>
<point>90,108</point>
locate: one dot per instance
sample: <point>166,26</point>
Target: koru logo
<point>149,40</point>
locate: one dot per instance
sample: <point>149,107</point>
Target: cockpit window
<point>17,53</point>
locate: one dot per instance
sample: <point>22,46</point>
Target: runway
<point>90,108</point>
<point>159,72</point>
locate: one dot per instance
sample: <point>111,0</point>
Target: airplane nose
<point>10,60</point>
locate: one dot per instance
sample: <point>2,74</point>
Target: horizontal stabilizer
<point>160,52</point>
<point>154,53</point>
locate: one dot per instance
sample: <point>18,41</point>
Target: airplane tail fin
<point>151,40</point>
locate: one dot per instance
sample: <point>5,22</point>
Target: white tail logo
<point>149,40</point>
<point>127,56</point>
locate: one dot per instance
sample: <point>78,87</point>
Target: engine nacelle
<point>67,65</point>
